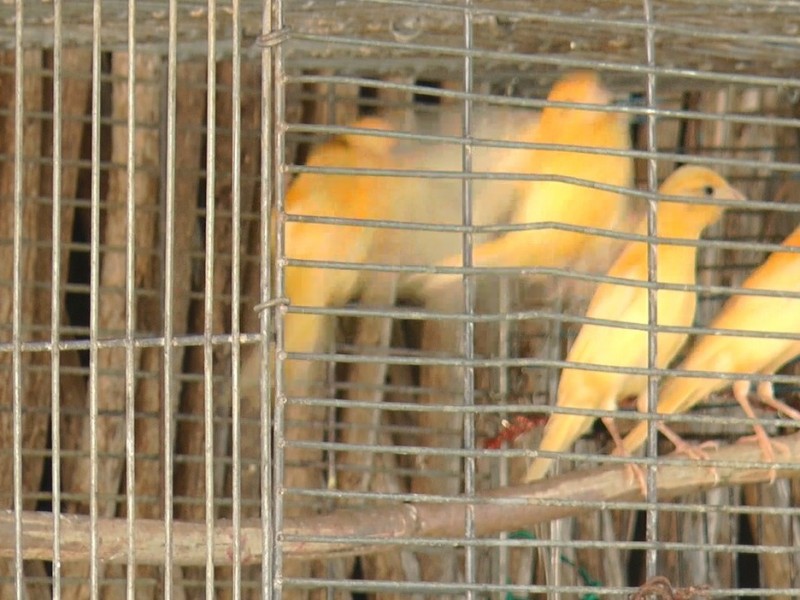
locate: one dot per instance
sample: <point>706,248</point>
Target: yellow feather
<point>737,354</point>
<point>577,204</point>
<point>621,346</point>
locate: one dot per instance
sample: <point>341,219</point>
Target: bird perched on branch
<point>579,185</point>
<point>742,355</point>
<point>616,345</point>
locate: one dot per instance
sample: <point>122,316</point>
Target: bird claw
<point>768,447</point>
<point>698,451</point>
<point>636,472</point>
<point>693,451</point>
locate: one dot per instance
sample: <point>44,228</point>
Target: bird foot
<point>694,451</point>
<point>697,451</point>
<point>636,472</point>
<point>768,447</point>
<point>765,392</point>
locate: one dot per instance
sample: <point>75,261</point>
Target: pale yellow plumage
<point>737,354</point>
<point>431,201</point>
<point>625,347</point>
<point>319,194</point>
<point>561,202</point>
<point>367,198</point>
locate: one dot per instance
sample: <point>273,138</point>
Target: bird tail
<point>560,433</point>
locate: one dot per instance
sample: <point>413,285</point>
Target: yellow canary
<point>368,197</point>
<point>409,200</point>
<point>327,195</point>
<point>744,355</point>
<point>623,347</point>
<point>567,192</point>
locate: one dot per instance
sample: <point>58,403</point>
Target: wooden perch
<point>384,528</point>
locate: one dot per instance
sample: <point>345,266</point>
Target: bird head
<point>319,193</point>
<point>580,87</point>
<point>371,143</point>
<point>584,126</point>
<point>697,183</point>
<point>354,149</point>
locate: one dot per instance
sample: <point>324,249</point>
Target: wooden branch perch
<point>382,529</point>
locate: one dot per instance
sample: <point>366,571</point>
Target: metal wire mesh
<point>149,154</point>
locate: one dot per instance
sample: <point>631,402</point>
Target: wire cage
<point>249,345</point>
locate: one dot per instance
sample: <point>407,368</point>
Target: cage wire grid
<point>140,241</point>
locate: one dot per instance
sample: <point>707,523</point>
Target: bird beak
<point>737,195</point>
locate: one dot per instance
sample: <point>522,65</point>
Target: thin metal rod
<point>55,299</point>
<point>557,526</point>
<point>268,92</point>
<point>16,318</point>
<point>208,294</point>
<point>130,316</point>
<point>170,383</point>
<point>651,535</point>
<point>94,295</point>
<point>236,269</point>
<point>470,556</point>
<point>503,389</point>
<point>279,424</point>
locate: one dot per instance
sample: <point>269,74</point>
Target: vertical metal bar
<point>267,187</point>
<point>236,268</point>
<point>170,387</point>
<point>503,387</point>
<point>470,559</point>
<point>279,162</point>
<point>130,315</point>
<point>94,295</point>
<point>557,526</point>
<point>208,292</point>
<point>652,311</point>
<point>19,206</point>
<point>55,303</point>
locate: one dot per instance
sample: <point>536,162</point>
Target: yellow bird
<point>325,195</point>
<point>744,355</point>
<point>623,347</point>
<point>556,200</point>
<point>408,200</point>
<point>368,198</point>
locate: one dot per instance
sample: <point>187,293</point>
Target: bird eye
<point>708,190</point>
